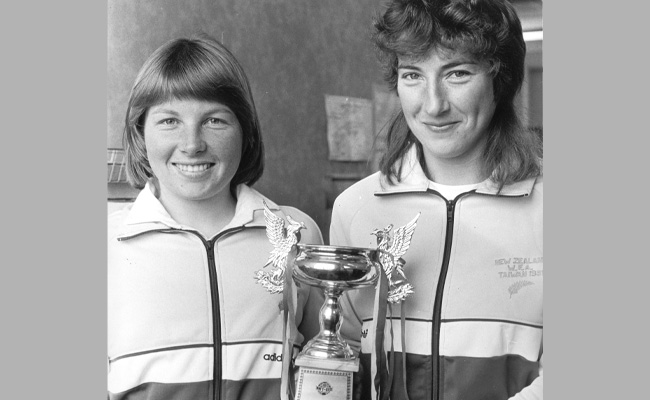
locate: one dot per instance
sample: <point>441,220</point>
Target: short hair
<point>192,68</point>
<point>488,30</point>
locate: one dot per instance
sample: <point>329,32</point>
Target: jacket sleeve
<point>534,391</point>
<point>338,234</point>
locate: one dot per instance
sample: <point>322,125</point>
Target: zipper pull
<point>450,210</point>
<point>210,248</point>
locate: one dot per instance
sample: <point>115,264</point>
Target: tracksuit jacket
<point>186,318</point>
<point>473,327</point>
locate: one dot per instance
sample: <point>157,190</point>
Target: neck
<point>455,171</point>
<point>206,216</point>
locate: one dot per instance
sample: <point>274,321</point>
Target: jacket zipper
<point>437,306</point>
<point>216,318</point>
<point>214,293</point>
<point>435,340</point>
<point>216,312</point>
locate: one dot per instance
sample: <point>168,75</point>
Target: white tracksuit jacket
<point>186,317</point>
<point>473,327</point>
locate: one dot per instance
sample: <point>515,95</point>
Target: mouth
<point>441,128</point>
<point>193,168</point>
<point>439,125</point>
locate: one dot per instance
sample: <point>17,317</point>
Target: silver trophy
<point>334,269</point>
<point>326,363</point>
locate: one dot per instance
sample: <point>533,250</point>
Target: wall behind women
<point>293,51</point>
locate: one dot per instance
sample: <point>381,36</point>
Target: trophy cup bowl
<point>334,269</point>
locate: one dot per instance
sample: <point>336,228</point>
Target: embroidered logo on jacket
<point>524,271</point>
<point>514,288</point>
<point>520,267</point>
<point>273,357</point>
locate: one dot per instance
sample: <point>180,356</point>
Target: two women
<point>186,317</point>
<point>457,155</point>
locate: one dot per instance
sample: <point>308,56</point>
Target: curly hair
<point>488,30</point>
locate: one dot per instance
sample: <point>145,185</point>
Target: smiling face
<point>194,149</point>
<point>448,102</point>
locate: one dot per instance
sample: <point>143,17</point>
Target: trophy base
<point>320,377</point>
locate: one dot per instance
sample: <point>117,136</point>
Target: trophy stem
<point>329,343</point>
<point>330,314</point>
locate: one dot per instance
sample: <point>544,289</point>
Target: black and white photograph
<point>325,200</point>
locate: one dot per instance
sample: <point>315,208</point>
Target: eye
<point>409,76</point>
<point>459,75</point>
<point>168,121</point>
<point>213,121</point>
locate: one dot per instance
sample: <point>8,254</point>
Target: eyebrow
<point>162,111</point>
<point>219,109</point>
<point>448,65</point>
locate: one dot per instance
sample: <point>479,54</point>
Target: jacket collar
<point>148,213</point>
<point>413,179</point>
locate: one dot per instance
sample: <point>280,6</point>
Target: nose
<point>436,101</point>
<point>193,141</point>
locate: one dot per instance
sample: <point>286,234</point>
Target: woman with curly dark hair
<point>470,324</point>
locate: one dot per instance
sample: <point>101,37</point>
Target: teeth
<point>193,168</point>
